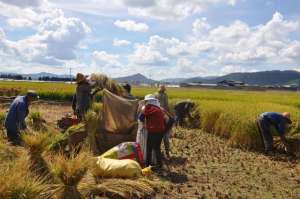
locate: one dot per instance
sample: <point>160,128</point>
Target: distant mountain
<point>275,77</point>
<point>134,79</point>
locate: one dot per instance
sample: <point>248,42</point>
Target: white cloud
<point>200,26</point>
<point>222,49</point>
<point>145,55</point>
<point>120,42</point>
<point>24,3</point>
<point>19,22</point>
<point>241,44</point>
<point>105,59</point>
<point>56,39</point>
<point>232,69</point>
<point>131,25</point>
<point>156,9</point>
<point>171,9</point>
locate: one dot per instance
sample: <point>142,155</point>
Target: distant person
<point>127,88</point>
<point>183,110</point>
<point>278,120</point>
<point>163,99</point>
<point>15,118</point>
<point>154,119</point>
<point>82,98</point>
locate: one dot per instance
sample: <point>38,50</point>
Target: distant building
<point>230,83</point>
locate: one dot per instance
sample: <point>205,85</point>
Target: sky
<point>157,38</point>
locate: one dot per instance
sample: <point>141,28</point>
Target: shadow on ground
<point>173,161</point>
<point>173,177</point>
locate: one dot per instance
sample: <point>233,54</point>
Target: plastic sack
<point>125,150</point>
<point>147,171</point>
<point>117,168</point>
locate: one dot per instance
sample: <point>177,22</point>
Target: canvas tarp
<point>119,114</point>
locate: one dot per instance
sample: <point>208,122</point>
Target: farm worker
<point>277,120</point>
<point>82,99</point>
<point>163,99</point>
<point>15,118</point>
<point>127,88</point>
<point>183,110</point>
<point>154,119</point>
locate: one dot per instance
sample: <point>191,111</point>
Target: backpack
<point>155,120</point>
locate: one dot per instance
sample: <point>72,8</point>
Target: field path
<point>203,166</point>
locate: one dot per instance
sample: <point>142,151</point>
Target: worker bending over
<point>278,120</point>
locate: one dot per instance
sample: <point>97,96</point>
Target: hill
<point>275,77</point>
<point>135,79</point>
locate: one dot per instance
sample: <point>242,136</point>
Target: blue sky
<point>158,38</point>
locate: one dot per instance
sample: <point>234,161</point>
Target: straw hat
<point>80,78</point>
<point>287,115</point>
<point>32,94</point>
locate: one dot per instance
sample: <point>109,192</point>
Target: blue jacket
<point>277,120</point>
<point>15,119</point>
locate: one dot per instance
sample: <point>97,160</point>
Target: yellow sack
<point>117,168</point>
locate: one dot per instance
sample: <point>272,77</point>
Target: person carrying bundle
<point>183,110</point>
<point>82,98</point>
<point>278,120</point>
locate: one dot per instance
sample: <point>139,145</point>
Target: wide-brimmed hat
<point>80,78</point>
<point>149,97</point>
<point>32,94</point>
<point>287,116</point>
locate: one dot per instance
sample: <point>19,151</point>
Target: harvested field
<point>202,166</point>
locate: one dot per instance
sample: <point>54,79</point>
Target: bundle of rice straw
<point>68,172</point>
<point>36,145</point>
<point>122,188</point>
<point>36,121</point>
<point>104,82</point>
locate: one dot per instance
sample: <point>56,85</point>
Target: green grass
<point>46,90</point>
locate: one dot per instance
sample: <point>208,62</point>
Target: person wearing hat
<point>15,118</point>
<point>83,96</point>
<point>278,120</point>
<point>154,120</point>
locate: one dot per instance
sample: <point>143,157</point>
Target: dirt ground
<point>203,166</point>
<point>50,111</point>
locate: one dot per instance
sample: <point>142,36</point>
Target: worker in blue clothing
<point>15,118</point>
<point>277,120</point>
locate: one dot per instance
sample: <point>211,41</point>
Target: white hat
<point>150,97</point>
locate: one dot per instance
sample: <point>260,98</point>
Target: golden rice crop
<point>68,172</point>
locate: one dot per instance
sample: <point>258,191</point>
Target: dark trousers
<point>13,137</point>
<point>153,143</point>
<point>265,133</point>
<point>179,117</point>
